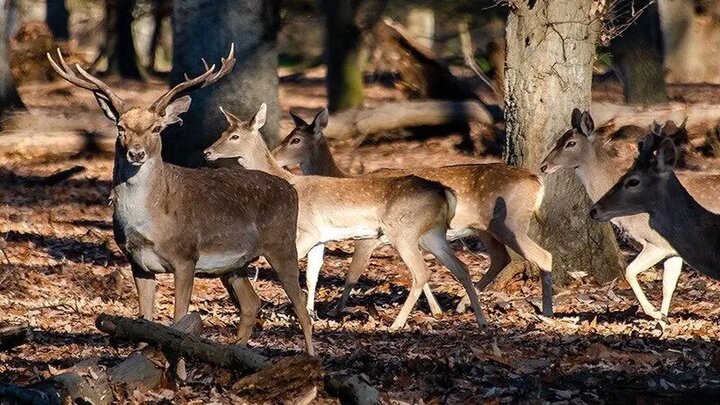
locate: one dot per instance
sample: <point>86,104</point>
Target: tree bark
<point>550,53</point>
<point>9,97</point>
<point>638,56</point>
<point>56,17</point>
<point>691,33</point>
<point>121,56</point>
<point>205,29</point>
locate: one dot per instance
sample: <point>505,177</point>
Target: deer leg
<point>411,255</point>
<point>531,251</point>
<point>436,243</point>
<point>184,278</point>
<point>314,264</point>
<point>671,273</point>
<point>145,283</point>
<point>360,260</point>
<point>499,259</point>
<point>648,257</point>
<point>286,267</point>
<point>246,299</point>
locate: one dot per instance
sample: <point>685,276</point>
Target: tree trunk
<point>342,51</point>
<point>421,24</point>
<point>121,56</point>
<point>691,33</point>
<point>205,29</point>
<point>638,56</point>
<point>550,53</point>
<point>56,17</point>
<point>9,97</point>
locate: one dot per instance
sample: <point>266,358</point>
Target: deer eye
<point>632,183</point>
<point>235,137</point>
<point>295,141</point>
<point>570,144</point>
<point>157,129</point>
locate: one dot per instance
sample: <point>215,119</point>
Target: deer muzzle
<point>136,156</point>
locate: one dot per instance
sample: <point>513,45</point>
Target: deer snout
<point>209,155</point>
<point>136,155</point>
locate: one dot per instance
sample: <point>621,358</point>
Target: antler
<point>204,80</point>
<point>88,81</point>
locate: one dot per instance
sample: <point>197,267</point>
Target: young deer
<point>409,211</point>
<point>580,149</point>
<point>652,187</point>
<point>193,222</point>
<point>496,202</point>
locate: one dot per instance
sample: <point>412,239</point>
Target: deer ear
<point>586,124</point>
<point>299,122</point>
<point>666,156</point>
<point>174,109</point>
<point>321,121</point>
<point>575,118</point>
<point>259,119</point>
<point>107,108</point>
<point>231,119</point>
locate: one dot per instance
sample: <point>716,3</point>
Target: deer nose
<point>593,213</point>
<point>543,168</point>
<point>208,153</point>
<point>136,155</point>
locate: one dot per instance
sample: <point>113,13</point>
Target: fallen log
<point>86,382</point>
<point>700,117</point>
<point>302,370</point>
<point>363,123</point>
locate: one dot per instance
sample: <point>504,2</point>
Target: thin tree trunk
<point>421,24</point>
<point>56,17</point>
<point>550,53</point>
<point>342,50</point>
<point>121,56</point>
<point>638,55</point>
<point>205,29</point>
<point>9,97</point>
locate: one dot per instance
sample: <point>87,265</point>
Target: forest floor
<point>61,263</point>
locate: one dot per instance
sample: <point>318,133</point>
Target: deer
<point>496,203</point>
<point>193,222</point>
<point>581,150</point>
<point>652,187</point>
<point>411,212</point>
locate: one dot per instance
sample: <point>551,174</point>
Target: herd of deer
<point>214,222</point>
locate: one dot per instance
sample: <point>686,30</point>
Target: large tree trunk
<point>56,17</point>
<point>691,33</point>
<point>343,39</point>
<point>638,55</point>
<point>119,45</point>
<point>205,29</point>
<point>550,53</point>
<point>9,98</point>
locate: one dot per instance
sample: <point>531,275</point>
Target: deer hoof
<point>461,307</point>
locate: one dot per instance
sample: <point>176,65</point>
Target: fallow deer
<point>193,222</point>
<point>651,187</point>
<point>409,211</point>
<point>581,150</point>
<point>496,202</point>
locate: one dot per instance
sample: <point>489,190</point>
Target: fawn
<point>193,222</point>
<point>581,150</point>
<point>496,202</point>
<point>651,186</point>
<point>409,211</point>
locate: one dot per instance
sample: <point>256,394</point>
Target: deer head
<point>241,140</point>
<point>572,148</point>
<point>139,128</point>
<point>643,186</point>
<point>302,142</point>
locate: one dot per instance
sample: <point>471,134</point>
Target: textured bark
<point>638,56</point>
<point>121,56</point>
<point>691,33</point>
<point>56,17</point>
<point>550,53</point>
<point>205,29</point>
<point>9,97</point>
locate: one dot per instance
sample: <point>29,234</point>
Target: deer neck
<point>598,172</point>
<point>136,190</point>
<point>691,229</point>
<point>321,162</point>
<point>260,158</point>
